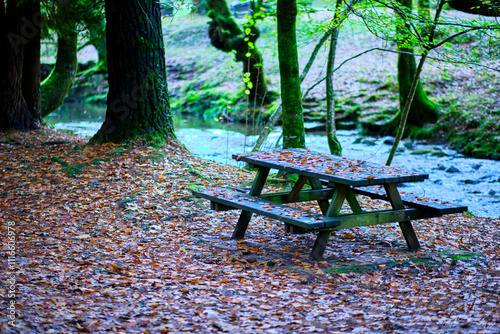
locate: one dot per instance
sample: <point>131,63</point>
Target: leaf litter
<point>119,244</point>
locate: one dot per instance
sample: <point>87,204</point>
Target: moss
<point>72,170</point>
<point>96,99</point>
<point>469,134</point>
<point>57,85</point>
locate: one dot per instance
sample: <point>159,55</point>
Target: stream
<point>452,177</point>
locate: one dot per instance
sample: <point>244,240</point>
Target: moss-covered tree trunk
<point>227,36</point>
<point>57,85</point>
<point>291,96</point>
<point>423,110</point>
<point>138,101</point>
<point>19,34</point>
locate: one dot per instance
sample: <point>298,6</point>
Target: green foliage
<point>72,170</point>
<point>68,169</point>
<point>472,137</point>
<point>208,103</point>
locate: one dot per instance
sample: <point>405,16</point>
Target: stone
<point>369,142</point>
<point>419,152</point>
<point>251,259</point>
<point>452,169</point>
<point>408,145</point>
<point>492,192</point>
<point>470,181</point>
<point>389,141</point>
<point>358,140</point>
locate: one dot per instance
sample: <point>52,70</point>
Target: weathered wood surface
<point>233,199</point>
<point>287,214</point>
<point>331,168</point>
<point>427,207</point>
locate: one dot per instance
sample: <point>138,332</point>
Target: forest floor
<point>109,238</point>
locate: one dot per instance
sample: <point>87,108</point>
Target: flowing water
<point>452,177</point>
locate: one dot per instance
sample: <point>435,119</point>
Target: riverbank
<point>211,87</point>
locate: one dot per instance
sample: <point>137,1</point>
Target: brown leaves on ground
<point>109,238</point>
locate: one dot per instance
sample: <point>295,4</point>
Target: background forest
<point>460,78</point>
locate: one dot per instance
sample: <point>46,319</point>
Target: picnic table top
<point>330,167</point>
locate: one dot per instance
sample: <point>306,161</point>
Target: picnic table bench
<point>333,180</point>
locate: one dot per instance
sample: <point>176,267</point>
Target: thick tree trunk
<point>291,96</point>
<point>14,111</point>
<point>138,101</point>
<point>58,84</point>
<point>31,63</point>
<point>423,110</point>
<point>3,60</point>
<point>227,36</point>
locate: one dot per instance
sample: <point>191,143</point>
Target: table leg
<point>406,226</point>
<point>339,197</point>
<point>320,245</point>
<point>258,185</point>
<point>316,185</point>
<point>297,187</point>
<point>353,201</point>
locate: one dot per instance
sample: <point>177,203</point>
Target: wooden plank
<point>319,246</point>
<point>257,186</point>
<point>322,202</point>
<point>353,201</point>
<point>328,167</point>
<point>376,217</point>
<point>297,187</point>
<point>219,207</point>
<point>333,210</point>
<point>338,199</point>
<point>303,196</point>
<point>247,203</point>
<point>405,225</point>
<point>428,207</point>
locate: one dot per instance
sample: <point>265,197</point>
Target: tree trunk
<point>3,61</point>
<point>58,84</point>
<point>14,111</point>
<point>331,131</point>
<point>227,36</point>
<point>31,63</point>
<point>138,101</point>
<point>422,110</point>
<point>291,97</point>
<point>276,115</point>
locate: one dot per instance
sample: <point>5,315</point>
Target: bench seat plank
<point>428,207</point>
<point>290,215</point>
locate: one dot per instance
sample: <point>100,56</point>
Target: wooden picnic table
<point>333,181</point>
